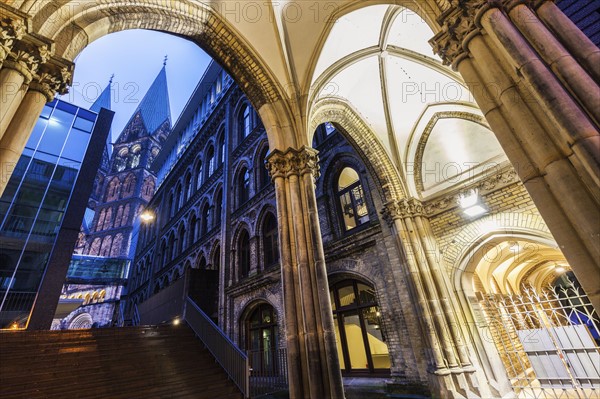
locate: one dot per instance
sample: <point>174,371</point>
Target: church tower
<point>126,185</point>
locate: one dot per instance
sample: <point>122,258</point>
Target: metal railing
<point>227,354</point>
<point>135,320</point>
<point>268,372</point>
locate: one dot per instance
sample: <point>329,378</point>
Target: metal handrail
<point>227,354</point>
<point>136,315</point>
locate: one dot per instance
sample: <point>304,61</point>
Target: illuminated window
<point>361,343</point>
<point>351,199</point>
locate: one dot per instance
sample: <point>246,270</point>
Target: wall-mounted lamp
<point>147,216</point>
<point>470,203</point>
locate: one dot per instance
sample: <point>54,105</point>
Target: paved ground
<point>357,388</point>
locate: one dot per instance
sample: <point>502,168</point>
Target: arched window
<point>352,202</point>
<point>148,188</point>
<point>205,220</point>
<point>129,186</point>
<point>243,255</point>
<point>119,216</point>
<point>221,147</point>
<point>263,173</point>
<point>107,224</point>
<point>270,243</point>
<point>116,246</point>
<point>181,239</point>
<point>189,187</point>
<point>244,123</point>
<point>216,263</point>
<point>95,247</point>
<point>125,218</point>
<point>202,263</point>
<point>218,207</point>
<point>171,247</point>
<point>164,254</point>
<point>178,197</point>
<point>113,189</point>
<point>357,323</point>
<point>100,223</point>
<point>198,174</point>
<point>210,161</point>
<point>243,187</point>
<point>261,338</point>
<point>193,229</point>
<point>106,244</point>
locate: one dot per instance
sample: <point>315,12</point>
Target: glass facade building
<point>36,202</point>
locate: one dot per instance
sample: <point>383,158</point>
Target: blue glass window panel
<point>56,132</point>
<point>69,108</point>
<point>46,111</point>
<point>83,124</point>
<point>37,132</point>
<point>77,143</point>
<point>90,116</point>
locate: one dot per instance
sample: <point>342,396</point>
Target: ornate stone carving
<point>26,58</point>
<point>293,162</point>
<point>407,207</point>
<point>10,31</point>
<point>505,177</point>
<point>51,79</point>
<point>459,24</point>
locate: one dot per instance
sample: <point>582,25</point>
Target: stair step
<point>127,362</point>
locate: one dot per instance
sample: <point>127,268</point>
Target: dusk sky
<point>135,57</point>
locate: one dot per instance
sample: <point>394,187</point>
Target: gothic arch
<point>73,25</point>
<point>364,141</point>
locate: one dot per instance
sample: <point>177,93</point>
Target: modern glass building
<point>38,220</point>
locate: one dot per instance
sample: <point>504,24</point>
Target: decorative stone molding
<point>26,58</point>
<point>407,207</point>
<point>363,139</point>
<point>293,162</point>
<point>460,23</point>
<point>503,178</point>
<point>52,79</point>
<point>10,31</point>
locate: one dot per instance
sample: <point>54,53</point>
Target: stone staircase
<point>127,362</point>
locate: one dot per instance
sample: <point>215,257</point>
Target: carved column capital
<point>460,22</point>
<point>407,207</point>
<point>51,79</point>
<point>26,58</point>
<point>11,30</point>
<point>293,162</point>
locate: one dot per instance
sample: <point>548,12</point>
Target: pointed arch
<point>364,141</point>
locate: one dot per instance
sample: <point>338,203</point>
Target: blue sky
<point>135,57</point>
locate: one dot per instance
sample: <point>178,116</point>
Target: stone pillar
<point>534,89</point>
<point>52,78</point>
<point>313,365</point>
<point>17,72</point>
<point>450,366</point>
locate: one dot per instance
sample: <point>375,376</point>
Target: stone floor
<point>360,388</point>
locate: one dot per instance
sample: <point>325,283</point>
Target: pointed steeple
<point>154,107</point>
<point>103,100</point>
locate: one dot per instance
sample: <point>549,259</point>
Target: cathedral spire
<point>154,108</point>
<point>103,100</point>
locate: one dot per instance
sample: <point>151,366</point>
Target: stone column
<point>17,72</point>
<point>534,90</point>
<point>51,79</point>
<point>313,365</point>
<point>451,368</point>
<point>578,44</point>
